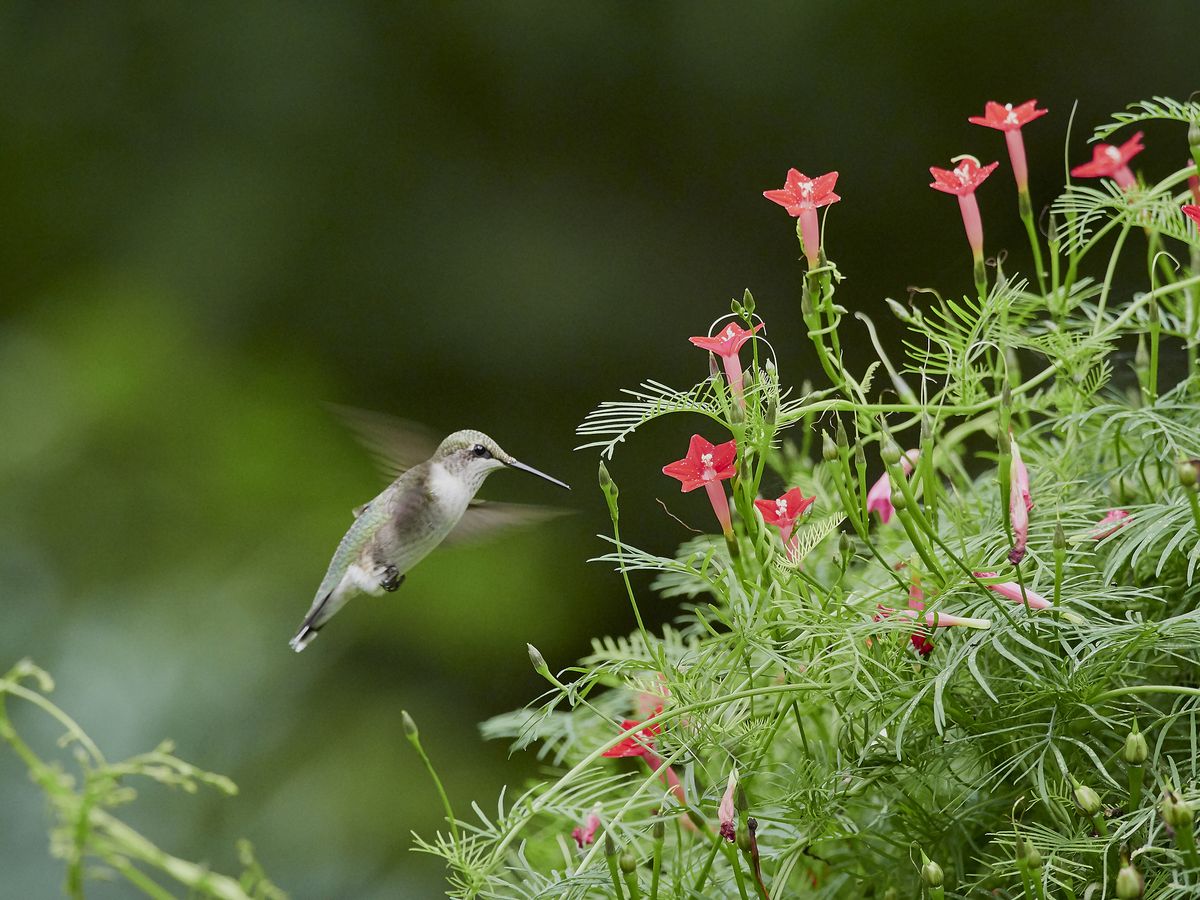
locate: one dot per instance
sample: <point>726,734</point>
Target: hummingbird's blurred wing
<point>395,444</point>
<point>485,519</point>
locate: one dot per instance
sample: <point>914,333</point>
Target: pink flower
<point>1019,503</point>
<point>1112,162</point>
<point>1010,119</point>
<point>962,181</point>
<point>727,344</point>
<point>586,834</point>
<point>879,498</point>
<point>1193,213</point>
<point>727,812</point>
<point>1112,522</point>
<point>783,513</point>
<point>802,196</point>
<point>1010,590</point>
<point>707,465</point>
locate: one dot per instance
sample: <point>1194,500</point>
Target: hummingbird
<point>427,503</point>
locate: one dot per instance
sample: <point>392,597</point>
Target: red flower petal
<point>1193,213</point>
<point>785,510</point>
<point>800,192</point>
<point>728,341</point>
<point>963,179</point>
<point>1007,117</point>
<point>1107,159</point>
<point>636,745</point>
<point>704,463</point>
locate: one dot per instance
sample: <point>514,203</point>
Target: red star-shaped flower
<point>728,341</point>
<point>1112,162</point>
<point>802,196</point>
<point>784,511</point>
<point>704,464</point>
<point>640,744</point>
<point>800,192</point>
<point>963,179</point>
<point>1193,213</point>
<point>1006,117</point>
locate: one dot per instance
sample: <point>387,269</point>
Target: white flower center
<point>1112,153</point>
<point>706,460</point>
<point>1011,118</point>
<point>729,333</point>
<point>781,509</point>
<point>963,173</point>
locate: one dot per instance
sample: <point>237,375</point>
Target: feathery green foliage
<point>874,749</point>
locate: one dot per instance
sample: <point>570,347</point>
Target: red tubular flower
<point>962,181</point>
<point>707,465</point>
<point>879,497</point>
<point>802,196</point>
<point>1010,119</point>
<point>783,513</point>
<point>586,833</point>
<point>1193,213</point>
<point>1112,162</point>
<point>727,811</point>
<point>1019,503</point>
<point>1113,521</point>
<point>1010,590</point>
<point>727,344</point>
<point>642,744</point>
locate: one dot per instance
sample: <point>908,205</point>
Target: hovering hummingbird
<point>427,502</point>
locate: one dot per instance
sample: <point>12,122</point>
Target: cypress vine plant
<point>944,644</point>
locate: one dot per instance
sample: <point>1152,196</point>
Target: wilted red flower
<point>1112,162</point>
<point>1193,213</point>
<point>802,196</point>
<point>727,811</point>
<point>586,833</point>
<point>727,344</point>
<point>1009,119</point>
<point>962,181</point>
<point>783,512</point>
<point>1019,503</point>
<point>1112,522</point>
<point>707,465</point>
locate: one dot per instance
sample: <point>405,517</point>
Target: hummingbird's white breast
<point>452,493</point>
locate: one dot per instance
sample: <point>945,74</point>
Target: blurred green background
<point>218,216</point>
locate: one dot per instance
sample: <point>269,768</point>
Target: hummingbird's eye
<point>481,451</point>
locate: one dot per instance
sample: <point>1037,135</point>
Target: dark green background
<point>217,216</point>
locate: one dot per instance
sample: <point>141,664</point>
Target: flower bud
<point>410,727</point>
<point>1176,812</point>
<point>1130,884</point>
<point>890,453</point>
<point>891,894</point>
<point>748,304</point>
<point>931,872</point>
<point>1136,750</point>
<point>628,862</point>
<point>659,829</point>
<point>539,662</point>
<point>1194,137</point>
<point>1060,537</point>
<point>743,840</point>
<point>1033,857</point>
<point>829,450</point>
<point>846,546</point>
<point>899,501</point>
<point>843,442</point>
<point>1087,801</point>
<point>610,846</point>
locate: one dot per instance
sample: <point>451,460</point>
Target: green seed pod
<point>843,442</point>
<point>1130,884</point>
<point>931,872</point>
<point>1087,801</point>
<point>1176,812</point>
<point>890,453</point>
<point>659,829</point>
<point>829,450</point>
<point>1060,537</point>
<point>1187,472</point>
<point>1033,857</point>
<point>1136,750</point>
<point>628,862</point>
<point>743,840</point>
<point>1194,138</point>
<point>899,502</point>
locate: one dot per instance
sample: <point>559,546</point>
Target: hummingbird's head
<point>472,455</point>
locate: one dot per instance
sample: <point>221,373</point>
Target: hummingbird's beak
<point>532,471</point>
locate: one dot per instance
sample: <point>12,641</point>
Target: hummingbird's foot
<point>391,579</point>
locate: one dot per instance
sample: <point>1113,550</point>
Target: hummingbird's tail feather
<point>312,624</point>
